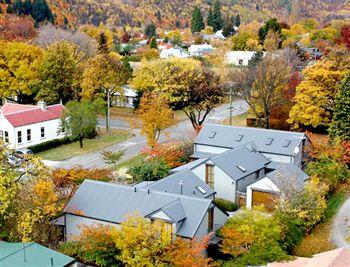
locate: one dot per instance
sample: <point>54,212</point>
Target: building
<point>110,204</point>
<point>265,190</point>
<point>239,58</point>
<point>22,126</point>
<point>126,99</point>
<point>177,52</point>
<point>32,255</point>
<point>200,49</point>
<point>277,146</point>
<point>215,36</point>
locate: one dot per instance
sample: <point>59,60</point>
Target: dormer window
<point>212,135</point>
<point>269,141</point>
<point>241,168</point>
<point>239,138</point>
<point>286,143</point>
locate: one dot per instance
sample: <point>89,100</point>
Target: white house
<point>200,49</point>
<point>215,36</point>
<point>126,99</point>
<point>176,51</point>
<point>110,204</point>
<point>239,58</point>
<point>22,126</point>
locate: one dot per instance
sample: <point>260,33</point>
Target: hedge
<point>50,144</point>
<point>226,205</point>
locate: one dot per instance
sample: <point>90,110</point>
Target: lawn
<point>130,162</point>
<point>101,141</point>
<point>239,120</point>
<point>319,239</point>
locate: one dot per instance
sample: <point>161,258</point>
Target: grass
<point>131,162</point>
<point>239,120</point>
<point>319,239</point>
<point>101,141</point>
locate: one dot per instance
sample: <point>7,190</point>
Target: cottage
<point>125,99</point>
<point>277,146</point>
<point>32,255</point>
<point>110,204</point>
<point>27,125</point>
<point>239,58</point>
<point>269,187</point>
<point>200,49</point>
<point>177,52</point>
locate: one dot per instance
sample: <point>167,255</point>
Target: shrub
<point>110,157</point>
<point>50,144</point>
<point>226,205</point>
<point>150,170</point>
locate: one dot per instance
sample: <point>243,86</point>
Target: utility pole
<point>108,110</point>
<point>231,108</point>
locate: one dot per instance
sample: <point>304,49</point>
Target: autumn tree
<point>142,242</point>
<point>345,35</point>
<point>95,33</point>
<point>271,42</point>
<point>314,99</point>
<point>262,86</point>
<point>15,28</point>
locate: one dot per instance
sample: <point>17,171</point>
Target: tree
<point>149,170</point>
<point>103,43</point>
<point>345,35</point>
<point>41,11</point>
<point>314,99</point>
<point>79,119</point>
<point>185,83</point>
<point>227,30</point>
<point>218,22</point>
<point>210,18</point>
<point>340,125</point>
<point>155,116</point>
<point>95,33</point>
<point>142,242</point>
<point>271,42</point>
<point>256,58</point>
<point>238,20</point>
<point>14,28</point>
<point>59,73</point>
<point>18,64</point>
<point>197,23</point>
<point>262,86</point>
<point>272,25</point>
<point>153,43</point>
<point>150,30</point>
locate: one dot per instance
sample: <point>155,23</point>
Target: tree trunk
<point>81,142</point>
<point>267,119</point>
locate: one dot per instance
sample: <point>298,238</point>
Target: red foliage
<point>15,28</point>
<point>170,153</point>
<point>345,35</point>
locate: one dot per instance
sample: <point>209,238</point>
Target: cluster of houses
<point>247,166</point>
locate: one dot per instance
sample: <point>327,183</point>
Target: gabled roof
<point>189,166</point>
<point>266,140</point>
<point>20,115</point>
<point>12,254</point>
<point>113,203</point>
<point>192,185</point>
<point>240,162</point>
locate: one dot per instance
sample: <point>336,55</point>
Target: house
<point>176,51</point>
<point>216,36</point>
<point>239,58</point>
<point>200,49</point>
<point>32,255</point>
<point>266,189</point>
<point>229,173</point>
<point>126,99</point>
<point>278,146</point>
<point>334,258</point>
<point>27,125</point>
<point>110,204</point>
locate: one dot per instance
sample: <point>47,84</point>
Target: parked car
<point>22,153</point>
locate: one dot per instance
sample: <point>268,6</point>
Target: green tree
<point>271,24</point>
<point>150,170</point>
<point>41,11</point>
<point>59,73</point>
<point>153,42</point>
<point>238,20</point>
<point>218,22</point>
<point>79,119</point>
<point>103,43</point>
<point>210,18</point>
<point>197,23</point>
<point>340,125</point>
<point>150,30</point>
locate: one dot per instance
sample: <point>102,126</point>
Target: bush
<point>226,205</point>
<point>151,170</point>
<point>50,144</point>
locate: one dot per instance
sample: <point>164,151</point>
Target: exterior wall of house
<point>265,184</point>
<point>220,219</point>
<point>209,149</point>
<point>74,222</point>
<point>244,182</point>
<point>5,126</point>
<point>278,158</point>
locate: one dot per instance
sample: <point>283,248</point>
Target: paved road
<point>133,146</point>
<point>341,225</point>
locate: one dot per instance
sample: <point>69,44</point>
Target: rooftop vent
<point>286,143</point>
<point>200,189</point>
<point>241,168</point>
<point>239,138</point>
<point>269,141</point>
<point>212,135</point>
<point>250,148</point>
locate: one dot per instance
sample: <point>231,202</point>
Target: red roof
<point>20,115</point>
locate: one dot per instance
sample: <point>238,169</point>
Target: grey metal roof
<point>175,211</point>
<point>288,175</point>
<point>273,165</point>
<point>113,202</point>
<point>266,140</point>
<point>192,185</point>
<point>190,165</point>
<point>240,162</point>
<point>200,155</point>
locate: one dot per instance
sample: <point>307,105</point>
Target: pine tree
<point>340,126</point>
<point>218,22</point>
<point>238,20</point>
<point>150,30</point>
<point>153,42</point>
<point>197,23</point>
<point>41,11</point>
<point>210,18</point>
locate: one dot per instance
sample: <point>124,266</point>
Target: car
<point>21,153</point>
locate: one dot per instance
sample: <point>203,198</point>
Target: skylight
<point>269,141</point>
<point>241,168</point>
<point>286,143</point>
<point>212,135</point>
<point>250,148</point>
<point>200,189</point>
<point>239,138</point>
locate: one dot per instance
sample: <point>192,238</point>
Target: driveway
<point>341,225</point>
<point>133,146</point>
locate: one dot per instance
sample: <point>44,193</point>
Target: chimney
<point>42,105</point>
<point>181,184</point>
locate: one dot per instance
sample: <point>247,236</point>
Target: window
<point>212,135</point>
<point>211,220</point>
<point>239,138</point>
<point>269,141</point>
<point>19,137</point>
<point>240,62</point>
<point>209,175</point>
<point>29,135</point>
<point>6,136</point>
<point>286,143</point>
<point>42,130</point>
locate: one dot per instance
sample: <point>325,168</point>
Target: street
<point>133,146</point>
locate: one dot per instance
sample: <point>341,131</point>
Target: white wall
<point>209,149</point>
<point>278,158</point>
<point>6,126</point>
<point>263,184</point>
